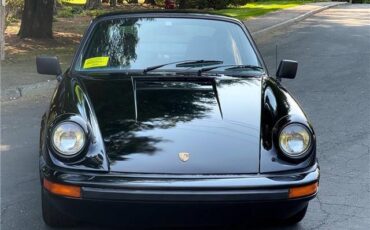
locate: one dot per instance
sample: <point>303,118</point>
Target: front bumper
<point>143,200</point>
<point>191,188</point>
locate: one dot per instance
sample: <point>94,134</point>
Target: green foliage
<point>77,10</point>
<point>161,2</point>
<point>69,11</point>
<point>215,4</point>
<point>94,13</point>
<point>13,4</point>
<point>65,12</point>
<point>218,4</point>
<point>239,2</point>
<point>13,9</point>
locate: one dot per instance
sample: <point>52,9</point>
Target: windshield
<point>138,43</point>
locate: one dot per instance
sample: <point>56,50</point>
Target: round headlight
<point>68,138</point>
<point>295,140</point>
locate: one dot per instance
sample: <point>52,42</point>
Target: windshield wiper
<point>189,63</point>
<point>199,63</point>
<point>232,67</point>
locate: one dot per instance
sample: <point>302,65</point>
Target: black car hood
<point>147,122</point>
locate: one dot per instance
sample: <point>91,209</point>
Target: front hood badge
<point>184,156</point>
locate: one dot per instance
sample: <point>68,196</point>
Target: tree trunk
<point>93,4</point>
<point>55,7</point>
<point>37,19</point>
<point>113,3</point>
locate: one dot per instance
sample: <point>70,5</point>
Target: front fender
<point>70,102</point>
<point>278,109</point>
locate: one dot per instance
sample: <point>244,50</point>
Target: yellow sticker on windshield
<point>75,2</point>
<point>96,62</point>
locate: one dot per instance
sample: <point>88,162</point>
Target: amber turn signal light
<point>62,190</point>
<point>302,191</point>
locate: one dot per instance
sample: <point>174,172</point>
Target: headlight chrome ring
<point>295,140</point>
<point>68,139</point>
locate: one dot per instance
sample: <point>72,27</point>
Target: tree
<point>37,19</point>
<point>93,4</point>
<point>113,3</point>
<point>218,4</point>
<point>151,2</point>
<point>182,4</point>
<point>215,4</point>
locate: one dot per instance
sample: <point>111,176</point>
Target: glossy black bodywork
<point>174,115</point>
<point>228,135</point>
<point>137,124</point>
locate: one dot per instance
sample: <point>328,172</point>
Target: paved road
<point>333,84</point>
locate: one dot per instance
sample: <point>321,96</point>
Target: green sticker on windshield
<point>96,62</point>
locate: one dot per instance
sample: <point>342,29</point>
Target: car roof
<point>167,13</point>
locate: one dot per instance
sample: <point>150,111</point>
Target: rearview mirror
<point>287,69</point>
<point>48,65</point>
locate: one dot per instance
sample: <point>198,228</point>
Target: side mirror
<point>287,69</point>
<point>48,65</point>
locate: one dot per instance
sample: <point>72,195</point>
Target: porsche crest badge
<point>184,156</point>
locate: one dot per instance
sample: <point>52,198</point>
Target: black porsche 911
<point>172,118</point>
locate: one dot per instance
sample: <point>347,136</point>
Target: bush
<point>189,4</point>
<point>215,4</point>
<point>69,11</point>
<point>13,9</point>
<point>77,10</point>
<point>65,12</point>
<point>94,13</point>
<point>239,2</point>
<point>218,4</point>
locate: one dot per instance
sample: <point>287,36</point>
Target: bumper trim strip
<point>199,196</point>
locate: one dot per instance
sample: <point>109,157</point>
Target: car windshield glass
<point>139,43</point>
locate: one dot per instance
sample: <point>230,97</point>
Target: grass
<point>255,9</point>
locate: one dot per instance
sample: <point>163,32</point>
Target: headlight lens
<point>295,140</point>
<point>68,138</point>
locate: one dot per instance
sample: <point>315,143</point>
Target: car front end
<point>193,132</point>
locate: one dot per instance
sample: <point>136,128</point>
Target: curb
<point>293,20</point>
<point>43,87</point>
<point>28,90</point>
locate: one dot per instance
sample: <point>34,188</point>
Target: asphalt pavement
<point>333,49</point>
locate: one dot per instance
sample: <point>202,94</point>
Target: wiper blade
<point>188,63</point>
<point>232,67</point>
<point>199,63</point>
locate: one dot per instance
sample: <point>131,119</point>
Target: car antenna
<point>214,86</point>
<point>276,61</point>
<point>135,97</point>
<point>276,56</point>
